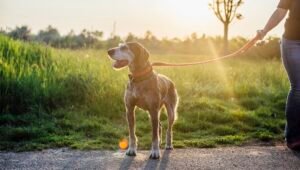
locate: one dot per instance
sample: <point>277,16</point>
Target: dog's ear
<point>141,55</point>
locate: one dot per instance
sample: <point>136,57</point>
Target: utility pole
<point>113,33</point>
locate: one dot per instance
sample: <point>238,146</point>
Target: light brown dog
<point>146,90</point>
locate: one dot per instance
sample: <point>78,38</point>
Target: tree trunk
<point>226,28</point>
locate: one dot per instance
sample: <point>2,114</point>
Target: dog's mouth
<point>120,63</point>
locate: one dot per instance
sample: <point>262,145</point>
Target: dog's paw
<point>131,152</point>
<point>169,147</point>
<point>155,154</point>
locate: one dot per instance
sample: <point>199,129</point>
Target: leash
<point>242,50</point>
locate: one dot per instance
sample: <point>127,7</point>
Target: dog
<point>147,90</point>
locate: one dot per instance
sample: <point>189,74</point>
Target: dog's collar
<point>141,75</point>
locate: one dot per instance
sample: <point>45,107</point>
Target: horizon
<point>165,19</point>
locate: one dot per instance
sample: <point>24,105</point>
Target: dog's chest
<point>138,91</point>
<point>143,95</point>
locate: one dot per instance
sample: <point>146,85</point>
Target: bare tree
<point>226,12</point>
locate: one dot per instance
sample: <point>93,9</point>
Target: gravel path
<point>250,157</point>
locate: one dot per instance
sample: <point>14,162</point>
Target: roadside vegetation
<point>62,97</point>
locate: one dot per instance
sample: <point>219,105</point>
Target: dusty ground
<point>250,157</point>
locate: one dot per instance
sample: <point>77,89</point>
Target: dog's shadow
<point>161,163</point>
<point>165,159</point>
<point>126,163</point>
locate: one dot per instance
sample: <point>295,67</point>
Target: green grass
<point>57,98</point>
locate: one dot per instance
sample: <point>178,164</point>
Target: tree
<point>22,33</point>
<point>130,37</point>
<point>2,31</point>
<point>113,41</point>
<point>226,12</point>
<point>97,34</point>
<point>50,36</point>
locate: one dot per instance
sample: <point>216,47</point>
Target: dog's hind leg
<point>131,151</point>
<point>160,132</point>
<point>171,106</point>
<point>171,120</point>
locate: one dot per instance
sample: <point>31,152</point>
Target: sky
<point>164,18</point>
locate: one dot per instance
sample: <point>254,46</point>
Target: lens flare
<point>123,144</point>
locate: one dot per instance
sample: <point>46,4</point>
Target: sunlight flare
<point>221,71</point>
<point>123,144</point>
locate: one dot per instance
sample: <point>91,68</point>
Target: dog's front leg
<point>131,151</point>
<point>155,153</point>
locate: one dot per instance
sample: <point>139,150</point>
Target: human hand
<point>261,34</point>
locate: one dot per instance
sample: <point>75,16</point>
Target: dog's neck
<point>139,74</point>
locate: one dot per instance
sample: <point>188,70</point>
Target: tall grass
<point>53,98</point>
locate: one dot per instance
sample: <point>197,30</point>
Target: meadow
<point>73,98</point>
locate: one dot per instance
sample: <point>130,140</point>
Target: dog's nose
<point>111,52</point>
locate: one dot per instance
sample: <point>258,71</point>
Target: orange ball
<point>123,144</point>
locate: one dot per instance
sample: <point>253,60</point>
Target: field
<point>56,98</point>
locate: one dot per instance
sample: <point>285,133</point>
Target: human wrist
<point>265,31</point>
<point>262,33</point>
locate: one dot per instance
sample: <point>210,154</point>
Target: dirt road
<point>250,157</point>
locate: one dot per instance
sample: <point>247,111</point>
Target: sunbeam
<point>221,71</point>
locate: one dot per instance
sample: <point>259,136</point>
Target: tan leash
<point>242,50</point>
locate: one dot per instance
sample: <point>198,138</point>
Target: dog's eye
<point>124,47</point>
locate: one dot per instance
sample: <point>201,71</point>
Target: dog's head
<point>130,54</point>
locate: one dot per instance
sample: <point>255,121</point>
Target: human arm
<point>274,20</point>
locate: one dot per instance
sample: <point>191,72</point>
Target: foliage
<point>193,44</point>
<point>73,98</point>
<point>22,33</point>
<point>49,36</point>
